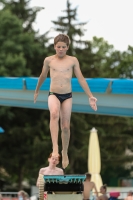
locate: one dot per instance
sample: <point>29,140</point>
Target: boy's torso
<point>88,186</point>
<point>47,171</point>
<point>61,71</point>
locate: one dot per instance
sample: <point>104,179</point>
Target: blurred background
<point>101,38</point>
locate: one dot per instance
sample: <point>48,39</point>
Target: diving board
<point>115,96</point>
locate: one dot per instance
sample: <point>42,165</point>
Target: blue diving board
<point>95,84</point>
<point>115,96</point>
<point>122,86</point>
<point>64,178</point>
<point>13,83</point>
<point>31,83</point>
<point>63,183</point>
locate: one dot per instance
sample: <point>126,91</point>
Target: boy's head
<point>22,195</point>
<point>88,176</point>
<point>62,38</point>
<point>103,188</point>
<point>54,160</point>
<point>130,193</point>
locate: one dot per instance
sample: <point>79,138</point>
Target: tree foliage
<point>21,54</point>
<point>69,25</point>
<point>12,61</point>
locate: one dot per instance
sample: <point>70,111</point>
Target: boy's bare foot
<point>55,152</point>
<point>65,160</point>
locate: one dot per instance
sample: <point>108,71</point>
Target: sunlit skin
<point>88,187</point>
<point>61,67</point>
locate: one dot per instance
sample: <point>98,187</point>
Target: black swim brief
<point>62,97</point>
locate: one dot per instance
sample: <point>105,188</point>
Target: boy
<point>88,187</point>
<point>51,169</point>
<point>61,67</point>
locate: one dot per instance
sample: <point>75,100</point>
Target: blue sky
<point>110,19</point>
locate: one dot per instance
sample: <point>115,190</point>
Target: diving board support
<point>61,187</point>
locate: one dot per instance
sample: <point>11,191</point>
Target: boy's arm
<point>95,190</point>
<point>62,172</point>
<point>40,173</point>
<point>42,78</point>
<point>37,183</point>
<point>84,84</point>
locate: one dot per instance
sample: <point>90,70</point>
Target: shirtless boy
<point>61,67</point>
<point>88,187</point>
<point>103,191</point>
<point>51,169</point>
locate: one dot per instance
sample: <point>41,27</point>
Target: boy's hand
<point>92,101</point>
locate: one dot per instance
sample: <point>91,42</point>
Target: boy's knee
<point>54,115</point>
<point>65,129</point>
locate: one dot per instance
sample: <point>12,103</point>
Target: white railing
<point>9,195</point>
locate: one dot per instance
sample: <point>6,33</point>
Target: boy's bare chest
<point>62,66</point>
<point>50,172</point>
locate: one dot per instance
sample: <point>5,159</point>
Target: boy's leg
<point>65,115</point>
<point>54,108</point>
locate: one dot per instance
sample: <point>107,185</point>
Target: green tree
<point>26,144</point>
<point>21,54</point>
<point>68,25</point>
<point>22,10</point>
<point>99,59</point>
<point>12,61</point>
<point>126,65</point>
<point>33,44</point>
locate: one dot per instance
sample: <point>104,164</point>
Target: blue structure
<point>115,96</point>
<point>1,130</point>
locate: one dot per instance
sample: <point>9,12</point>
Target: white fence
<point>9,195</point>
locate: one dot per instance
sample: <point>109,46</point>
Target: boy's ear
<point>67,47</point>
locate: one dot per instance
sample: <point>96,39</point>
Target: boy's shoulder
<point>73,58</point>
<point>49,58</point>
<point>43,169</point>
<point>59,168</point>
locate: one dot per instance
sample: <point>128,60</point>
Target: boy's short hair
<point>62,38</point>
<point>104,186</point>
<point>59,156</point>
<point>22,192</point>
<point>88,175</point>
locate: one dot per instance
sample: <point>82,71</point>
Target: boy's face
<point>61,49</point>
<point>20,195</point>
<point>102,190</point>
<point>53,160</point>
